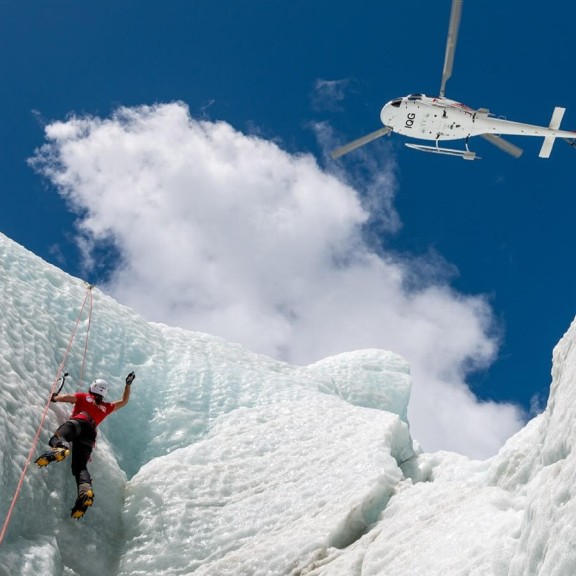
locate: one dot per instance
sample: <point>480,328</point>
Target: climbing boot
<point>84,501</point>
<point>55,455</point>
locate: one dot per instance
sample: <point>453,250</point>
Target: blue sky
<point>499,229</point>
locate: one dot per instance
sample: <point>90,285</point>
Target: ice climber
<point>80,430</point>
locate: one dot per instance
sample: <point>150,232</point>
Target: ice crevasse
<point>228,462</point>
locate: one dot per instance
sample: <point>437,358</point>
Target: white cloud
<point>228,234</point>
<point>328,94</point>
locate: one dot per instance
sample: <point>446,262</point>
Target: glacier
<point>226,462</point>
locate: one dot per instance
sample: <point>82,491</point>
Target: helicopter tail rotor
<point>359,142</point>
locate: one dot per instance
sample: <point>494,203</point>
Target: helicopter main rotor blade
<point>504,145</point>
<point>453,28</point>
<point>359,142</point>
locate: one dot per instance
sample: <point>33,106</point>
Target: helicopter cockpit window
<point>396,103</point>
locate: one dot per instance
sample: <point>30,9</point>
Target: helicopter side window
<point>415,97</point>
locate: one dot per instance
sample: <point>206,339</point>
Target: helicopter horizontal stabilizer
<point>465,154</point>
<point>557,116</point>
<point>546,149</point>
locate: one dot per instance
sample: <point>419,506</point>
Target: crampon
<point>56,455</point>
<point>83,502</point>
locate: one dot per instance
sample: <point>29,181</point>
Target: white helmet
<point>99,386</point>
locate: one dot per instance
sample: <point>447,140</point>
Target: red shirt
<point>86,403</point>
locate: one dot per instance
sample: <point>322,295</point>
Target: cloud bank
<point>226,233</point>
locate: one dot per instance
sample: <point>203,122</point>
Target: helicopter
<point>439,118</point>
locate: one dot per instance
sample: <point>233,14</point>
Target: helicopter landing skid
<point>465,154</point>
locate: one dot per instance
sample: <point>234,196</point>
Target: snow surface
<point>229,463</point>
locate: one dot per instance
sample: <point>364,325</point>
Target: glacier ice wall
<point>227,462</point>
<point>231,415</point>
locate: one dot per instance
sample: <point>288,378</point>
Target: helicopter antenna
<point>453,28</point>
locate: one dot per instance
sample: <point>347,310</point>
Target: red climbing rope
<point>45,412</point>
<point>87,335</point>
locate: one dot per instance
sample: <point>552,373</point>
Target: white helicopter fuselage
<point>438,118</point>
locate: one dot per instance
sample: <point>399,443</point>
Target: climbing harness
<point>88,299</point>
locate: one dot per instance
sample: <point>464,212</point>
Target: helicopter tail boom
<point>557,116</point>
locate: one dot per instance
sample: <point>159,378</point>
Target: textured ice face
<point>39,307</point>
<point>270,486</point>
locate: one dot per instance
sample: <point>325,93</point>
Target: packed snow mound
<point>358,378</point>
<point>229,463</point>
